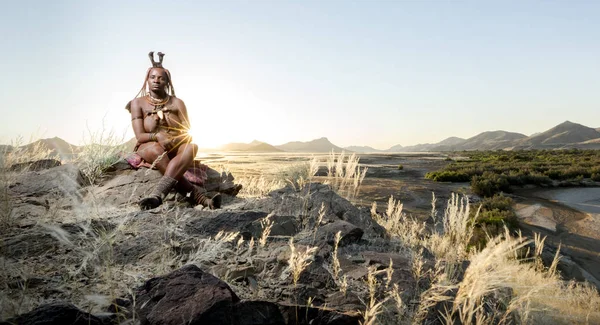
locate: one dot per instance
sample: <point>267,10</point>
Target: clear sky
<point>376,73</point>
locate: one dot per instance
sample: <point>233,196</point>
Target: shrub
<point>400,167</point>
<point>489,184</point>
<point>596,177</point>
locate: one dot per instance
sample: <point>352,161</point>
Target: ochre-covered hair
<point>169,89</point>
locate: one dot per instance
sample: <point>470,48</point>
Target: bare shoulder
<point>178,102</point>
<point>134,105</point>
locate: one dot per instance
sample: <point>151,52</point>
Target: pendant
<point>160,114</point>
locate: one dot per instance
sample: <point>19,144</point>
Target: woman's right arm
<point>137,121</point>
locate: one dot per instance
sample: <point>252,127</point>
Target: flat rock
<point>65,180</point>
<point>350,234</point>
<point>226,221</point>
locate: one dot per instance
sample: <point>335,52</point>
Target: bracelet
<point>153,136</point>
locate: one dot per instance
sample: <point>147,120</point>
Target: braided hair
<point>169,89</point>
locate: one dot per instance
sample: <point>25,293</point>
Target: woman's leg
<point>153,153</point>
<point>183,160</point>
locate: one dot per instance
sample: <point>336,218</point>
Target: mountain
<point>491,140</point>
<point>598,129</point>
<point>566,133</point>
<point>254,146</point>
<point>451,141</point>
<point>56,145</point>
<point>363,149</point>
<point>396,148</point>
<point>317,145</point>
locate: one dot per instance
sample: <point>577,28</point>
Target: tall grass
<point>101,150</point>
<point>344,174</point>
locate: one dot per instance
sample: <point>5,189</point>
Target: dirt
<point>568,218</point>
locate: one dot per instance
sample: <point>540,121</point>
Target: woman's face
<point>157,79</point>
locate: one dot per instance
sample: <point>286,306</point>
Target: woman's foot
<point>150,202</point>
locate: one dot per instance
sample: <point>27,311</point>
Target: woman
<point>160,122</point>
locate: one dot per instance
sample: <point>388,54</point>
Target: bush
<point>448,176</point>
<point>489,184</point>
<point>400,167</point>
<point>596,177</point>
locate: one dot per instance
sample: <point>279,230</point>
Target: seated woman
<point>160,122</point>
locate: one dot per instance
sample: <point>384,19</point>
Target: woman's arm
<point>137,122</point>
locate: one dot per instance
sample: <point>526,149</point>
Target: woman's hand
<point>165,140</point>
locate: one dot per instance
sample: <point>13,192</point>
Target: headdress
<point>160,59</point>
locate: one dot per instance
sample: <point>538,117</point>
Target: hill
<point>56,145</point>
<point>254,146</point>
<point>317,145</point>
<point>564,134</point>
<point>491,140</point>
<point>362,149</point>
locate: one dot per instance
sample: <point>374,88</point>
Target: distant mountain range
<point>566,135</point>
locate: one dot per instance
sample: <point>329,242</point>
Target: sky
<point>376,73</point>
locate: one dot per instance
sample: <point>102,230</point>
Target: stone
<point>28,244</point>
<point>284,226</point>
<point>303,315</point>
<point>35,165</point>
<point>188,295</point>
<point>57,313</point>
<point>65,180</point>
<point>350,234</point>
<point>256,313</point>
<point>229,221</point>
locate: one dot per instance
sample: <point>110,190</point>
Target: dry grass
<point>344,174</point>
<point>100,151</point>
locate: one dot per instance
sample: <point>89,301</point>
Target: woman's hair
<point>169,89</point>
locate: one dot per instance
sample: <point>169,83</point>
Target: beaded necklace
<point>158,104</point>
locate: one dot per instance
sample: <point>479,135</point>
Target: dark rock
<point>58,313</point>
<point>257,313</point>
<point>29,244</point>
<point>350,234</point>
<point>65,180</point>
<point>285,226</point>
<point>303,315</point>
<point>187,295</point>
<point>133,249</point>
<point>226,221</point>
<point>35,165</point>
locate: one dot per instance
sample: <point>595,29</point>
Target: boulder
<point>189,296</point>
<point>230,221</point>
<point>350,234</point>
<point>35,165</point>
<point>303,315</point>
<point>65,180</point>
<point>57,313</point>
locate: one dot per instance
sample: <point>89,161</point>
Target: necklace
<point>158,104</point>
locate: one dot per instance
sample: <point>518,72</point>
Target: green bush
<point>448,176</point>
<point>489,184</point>
<point>400,167</point>
<point>596,177</point>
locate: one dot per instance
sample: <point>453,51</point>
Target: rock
<point>58,313</point>
<point>285,226</point>
<point>227,221</point>
<point>28,244</point>
<point>350,234</point>
<point>308,201</point>
<point>303,315</point>
<point>65,180</point>
<point>35,165</point>
<point>187,295</point>
<point>256,313</point>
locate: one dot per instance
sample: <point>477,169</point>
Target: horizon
<point>375,74</point>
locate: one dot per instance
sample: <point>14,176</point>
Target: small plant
<point>400,167</point>
<point>299,261</point>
